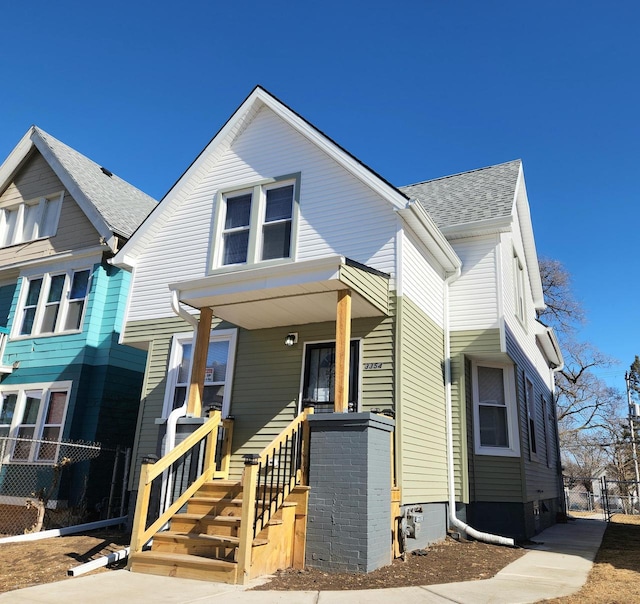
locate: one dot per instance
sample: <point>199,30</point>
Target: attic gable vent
<point>105,171</point>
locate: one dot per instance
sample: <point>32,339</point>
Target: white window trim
<point>258,205</point>
<point>304,364</point>
<point>230,335</point>
<point>21,390</point>
<point>40,308</point>
<point>53,219</point>
<point>519,290</point>
<point>532,417</point>
<point>513,450</point>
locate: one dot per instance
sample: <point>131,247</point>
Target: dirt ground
<point>442,563</point>
<point>615,578</point>
<point>47,560</point>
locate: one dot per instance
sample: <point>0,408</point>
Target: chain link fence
<point>601,495</point>
<point>45,484</point>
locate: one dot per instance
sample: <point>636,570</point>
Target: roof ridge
<point>513,161</point>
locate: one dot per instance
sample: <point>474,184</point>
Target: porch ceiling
<point>288,294</point>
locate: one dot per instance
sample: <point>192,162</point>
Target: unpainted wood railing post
<point>210,448</point>
<point>249,481</point>
<point>306,442</point>
<point>142,507</point>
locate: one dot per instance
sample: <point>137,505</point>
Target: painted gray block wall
<point>349,518</point>
<point>433,528</point>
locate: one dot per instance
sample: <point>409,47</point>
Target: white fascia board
<point>548,341</point>
<point>15,159</point>
<point>422,224</point>
<point>322,269</point>
<point>349,163</point>
<point>76,192</point>
<point>521,205</point>
<point>490,226</point>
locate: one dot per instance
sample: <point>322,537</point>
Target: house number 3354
<point>373,366</point>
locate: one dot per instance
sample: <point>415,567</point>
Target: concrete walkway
<point>557,566</point>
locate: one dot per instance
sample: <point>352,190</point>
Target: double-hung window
<point>32,419</point>
<point>257,224</point>
<point>495,410</point>
<point>30,220</point>
<point>53,303</point>
<point>218,370</point>
<point>531,417</point>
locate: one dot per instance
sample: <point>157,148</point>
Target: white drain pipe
<point>454,520</point>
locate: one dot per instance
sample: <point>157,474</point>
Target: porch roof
<point>294,293</point>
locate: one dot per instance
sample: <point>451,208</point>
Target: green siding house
<point>280,272</point>
<point>64,376</point>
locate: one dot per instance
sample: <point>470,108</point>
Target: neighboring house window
<point>518,276</point>
<point>30,220</point>
<point>218,370</point>
<point>54,303</point>
<point>257,224</point>
<point>495,410</point>
<point>531,417</point>
<point>32,416</point>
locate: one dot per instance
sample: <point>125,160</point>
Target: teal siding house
<point>63,374</point>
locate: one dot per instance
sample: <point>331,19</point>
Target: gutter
<point>453,519</point>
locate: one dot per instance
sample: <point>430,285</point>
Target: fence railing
<point>52,484</point>
<point>269,477</point>
<point>167,484</point>
<point>602,495</point>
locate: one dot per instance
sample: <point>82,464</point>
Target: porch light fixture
<point>291,339</point>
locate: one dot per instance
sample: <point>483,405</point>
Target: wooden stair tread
<point>206,517</point>
<point>187,559</point>
<point>179,536</point>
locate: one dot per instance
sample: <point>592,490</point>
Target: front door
<point>319,376</point>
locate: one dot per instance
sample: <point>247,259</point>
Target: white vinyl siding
<point>332,201</point>
<point>421,282</point>
<point>473,297</point>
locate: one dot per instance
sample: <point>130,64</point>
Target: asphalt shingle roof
<point>121,205</point>
<point>469,196</point>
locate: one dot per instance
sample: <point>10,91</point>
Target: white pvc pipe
<point>455,521</point>
<point>68,530</point>
<point>121,554</point>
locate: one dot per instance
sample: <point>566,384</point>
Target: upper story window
<point>53,303</point>
<point>518,278</point>
<point>531,418</point>
<point>257,224</point>
<point>30,220</point>
<point>495,412</point>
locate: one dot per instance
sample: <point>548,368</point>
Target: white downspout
<point>454,520</point>
<point>172,420</point>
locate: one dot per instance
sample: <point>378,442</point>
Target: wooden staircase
<point>202,543</point>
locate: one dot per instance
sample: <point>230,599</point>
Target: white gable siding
<point>473,297</point>
<point>338,214</point>
<point>421,281</point>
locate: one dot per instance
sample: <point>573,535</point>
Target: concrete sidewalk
<point>557,566</point>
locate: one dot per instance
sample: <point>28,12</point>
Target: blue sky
<point>415,89</point>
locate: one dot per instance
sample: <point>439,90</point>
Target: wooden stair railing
<point>196,455</point>
<point>268,479</point>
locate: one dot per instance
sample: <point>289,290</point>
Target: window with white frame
<point>218,370</point>
<point>32,418</point>
<point>518,278</point>
<point>495,410</point>
<point>30,220</point>
<point>257,224</point>
<point>531,417</point>
<point>53,303</point>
